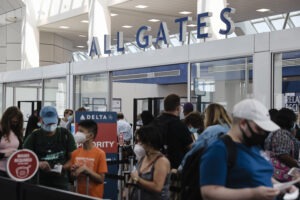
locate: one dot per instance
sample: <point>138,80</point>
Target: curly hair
<point>216,114</point>
<point>286,118</point>
<point>6,122</point>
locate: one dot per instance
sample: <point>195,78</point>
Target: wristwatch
<point>136,179</point>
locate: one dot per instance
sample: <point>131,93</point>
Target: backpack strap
<point>231,149</point>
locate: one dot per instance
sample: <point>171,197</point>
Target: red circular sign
<point>22,165</point>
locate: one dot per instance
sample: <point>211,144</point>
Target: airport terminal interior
<point>127,55</point>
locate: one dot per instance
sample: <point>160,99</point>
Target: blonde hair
<point>216,114</point>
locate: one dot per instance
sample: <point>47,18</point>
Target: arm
<point>215,192</point>
<point>162,168</point>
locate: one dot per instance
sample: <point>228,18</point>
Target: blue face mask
<point>193,130</point>
<point>39,124</point>
<point>49,128</point>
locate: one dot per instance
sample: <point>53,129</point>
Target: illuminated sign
<point>144,41</point>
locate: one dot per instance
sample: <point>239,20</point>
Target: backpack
<point>186,181</point>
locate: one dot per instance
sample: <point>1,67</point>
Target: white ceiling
<point>164,10</point>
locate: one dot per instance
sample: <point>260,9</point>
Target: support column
<point>99,22</point>
<point>30,36</point>
<point>215,7</point>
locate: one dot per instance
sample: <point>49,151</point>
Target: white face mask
<point>80,137</point>
<point>49,128</point>
<point>193,130</point>
<point>139,151</point>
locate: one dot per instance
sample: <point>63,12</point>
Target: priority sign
<point>22,165</point>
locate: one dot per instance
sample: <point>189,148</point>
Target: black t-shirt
<point>55,149</point>
<point>178,138</point>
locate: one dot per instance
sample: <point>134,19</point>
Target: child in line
<point>88,164</point>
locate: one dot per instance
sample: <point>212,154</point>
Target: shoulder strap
<point>231,149</point>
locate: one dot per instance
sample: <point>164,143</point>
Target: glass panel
<point>91,92</point>
<point>262,27</point>
<point>296,20</point>
<point>287,80</point>
<point>278,24</point>
<point>22,91</point>
<point>223,81</point>
<point>56,94</point>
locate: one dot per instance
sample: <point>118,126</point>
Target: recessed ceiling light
<point>141,6</point>
<point>64,27</point>
<point>127,26</point>
<point>79,46</point>
<point>113,14</point>
<point>84,21</point>
<point>82,35</point>
<point>185,12</point>
<point>153,20</point>
<point>263,10</point>
<point>191,25</point>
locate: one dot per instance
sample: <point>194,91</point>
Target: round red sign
<point>22,165</point>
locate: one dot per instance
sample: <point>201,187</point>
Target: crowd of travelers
<point>215,155</point>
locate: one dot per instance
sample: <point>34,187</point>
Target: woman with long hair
<point>152,171</point>
<point>11,135</point>
<point>216,114</point>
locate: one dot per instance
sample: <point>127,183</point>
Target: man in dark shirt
<point>177,137</point>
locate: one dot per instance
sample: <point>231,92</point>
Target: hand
<point>80,170</point>
<point>44,165</point>
<point>134,175</point>
<point>265,193</point>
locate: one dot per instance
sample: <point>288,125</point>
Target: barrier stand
<point>120,173</point>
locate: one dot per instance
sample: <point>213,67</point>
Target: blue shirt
<point>207,137</point>
<point>251,167</point>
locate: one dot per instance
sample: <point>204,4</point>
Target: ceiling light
<point>113,14</point>
<point>153,20</point>
<point>263,10</point>
<point>84,21</point>
<point>191,25</point>
<point>127,26</point>
<point>141,6</point>
<point>79,46</point>
<point>185,12</point>
<point>82,35</point>
<point>64,27</point>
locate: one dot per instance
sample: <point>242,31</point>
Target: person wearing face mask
<point>251,175</point>
<point>11,135</point>
<point>68,117</point>
<point>88,164</point>
<point>151,176</point>
<point>53,146</point>
<point>282,145</point>
<point>194,122</point>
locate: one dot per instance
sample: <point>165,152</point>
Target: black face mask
<point>256,139</point>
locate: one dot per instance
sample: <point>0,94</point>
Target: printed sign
<point>22,165</point>
<point>106,137</point>
<point>292,101</point>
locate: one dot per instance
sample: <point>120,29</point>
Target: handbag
<point>280,170</point>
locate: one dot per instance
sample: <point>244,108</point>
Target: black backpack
<point>187,186</point>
